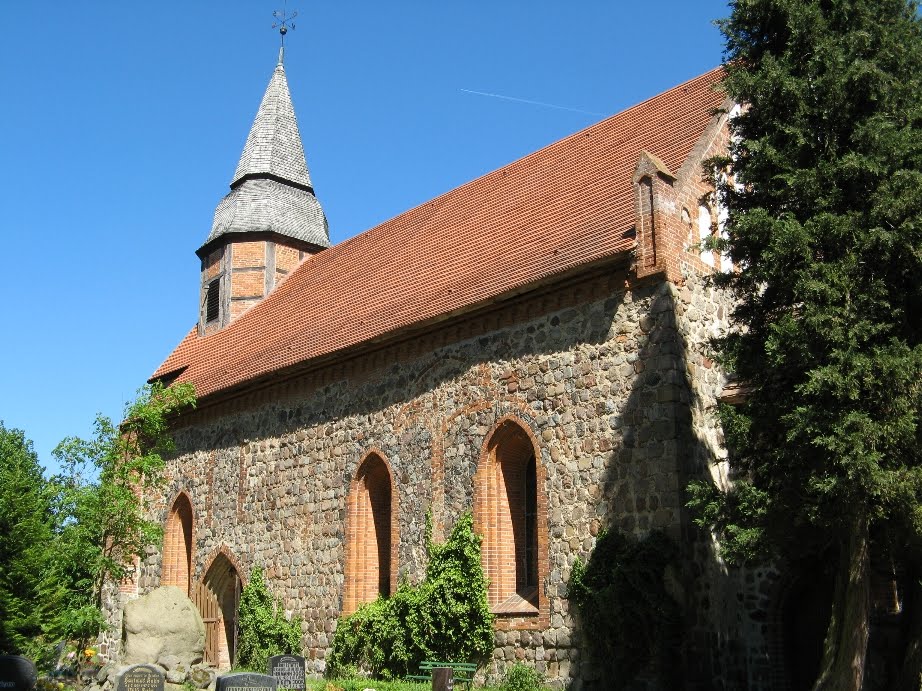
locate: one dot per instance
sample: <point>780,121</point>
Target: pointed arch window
<point>371,534</point>
<point>704,234</point>
<point>177,545</point>
<point>509,513</point>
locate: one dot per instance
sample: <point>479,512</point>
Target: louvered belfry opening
<point>213,301</point>
<point>177,545</point>
<point>369,534</point>
<point>506,513</point>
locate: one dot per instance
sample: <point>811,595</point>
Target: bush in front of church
<point>446,617</point>
<point>264,631</point>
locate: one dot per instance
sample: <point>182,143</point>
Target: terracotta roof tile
<point>566,205</point>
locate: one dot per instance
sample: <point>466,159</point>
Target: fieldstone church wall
<point>610,378</point>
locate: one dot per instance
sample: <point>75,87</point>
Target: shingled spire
<point>270,212</point>
<point>271,190</point>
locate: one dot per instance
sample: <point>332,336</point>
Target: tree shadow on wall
<point>660,450</point>
<point>623,599</point>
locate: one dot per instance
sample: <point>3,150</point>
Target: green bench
<point>462,672</point>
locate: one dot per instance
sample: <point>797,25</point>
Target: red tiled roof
<point>569,204</point>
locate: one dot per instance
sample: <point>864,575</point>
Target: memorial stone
<point>17,673</point>
<point>141,678</point>
<point>288,671</point>
<point>246,681</point>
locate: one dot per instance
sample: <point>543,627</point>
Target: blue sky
<point>122,124</point>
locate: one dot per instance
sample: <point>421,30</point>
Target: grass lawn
<point>361,684</point>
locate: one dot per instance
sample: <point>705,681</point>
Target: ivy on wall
<point>264,630</point>
<point>621,598</point>
<point>446,617</point>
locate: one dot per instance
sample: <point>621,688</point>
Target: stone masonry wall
<point>595,370</point>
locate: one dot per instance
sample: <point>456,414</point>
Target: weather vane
<point>284,22</point>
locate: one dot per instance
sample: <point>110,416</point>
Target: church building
<point>531,347</point>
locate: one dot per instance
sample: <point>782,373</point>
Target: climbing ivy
<point>623,603</point>
<point>446,617</point>
<point>263,629</point>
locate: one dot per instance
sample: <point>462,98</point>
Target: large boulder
<point>163,622</point>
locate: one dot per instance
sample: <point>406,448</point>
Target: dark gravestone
<point>17,673</point>
<point>246,681</point>
<point>443,679</point>
<point>141,678</point>
<point>288,671</point>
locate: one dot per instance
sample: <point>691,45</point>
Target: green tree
<point>824,202</point>
<point>263,629</point>
<point>25,547</point>
<point>104,500</point>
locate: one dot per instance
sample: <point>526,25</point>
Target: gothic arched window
<point>177,545</point>
<point>370,534</point>
<point>508,512</point>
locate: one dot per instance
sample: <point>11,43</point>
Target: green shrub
<point>376,638</point>
<point>446,617</point>
<point>521,677</point>
<point>263,629</point>
<point>622,600</point>
<point>452,621</point>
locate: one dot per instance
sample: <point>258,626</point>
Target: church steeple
<point>273,148</point>
<point>268,222</point>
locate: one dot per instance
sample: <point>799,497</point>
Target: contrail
<point>534,103</point>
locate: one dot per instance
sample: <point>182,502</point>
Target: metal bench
<point>462,672</point>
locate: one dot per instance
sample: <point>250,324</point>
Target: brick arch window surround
<point>177,544</point>
<point>510,512</point>
<point>371,534</point>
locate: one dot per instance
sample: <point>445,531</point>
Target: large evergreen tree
<point>25,546</point>
<point>824,200</point>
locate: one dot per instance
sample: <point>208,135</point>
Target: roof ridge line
<point>533,154</point>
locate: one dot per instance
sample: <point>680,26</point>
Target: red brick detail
<point>371,533</point>
<point>659,230</point>
<point>250,255</point>
<point>500,516</point>
<point>286,258</point>
<point>248,284</point>
<point>177,544</point>
<point>238,307</point>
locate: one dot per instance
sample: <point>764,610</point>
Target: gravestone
<point>17,673</point>
<point>141,678</point>
<point>288,671</point>
<point>443,679</point>
<point>246,681</point>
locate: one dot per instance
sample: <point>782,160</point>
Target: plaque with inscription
<point>141,678</point>
<point>17,673</point>
<point>288,671</point>
<point>246,681</point>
